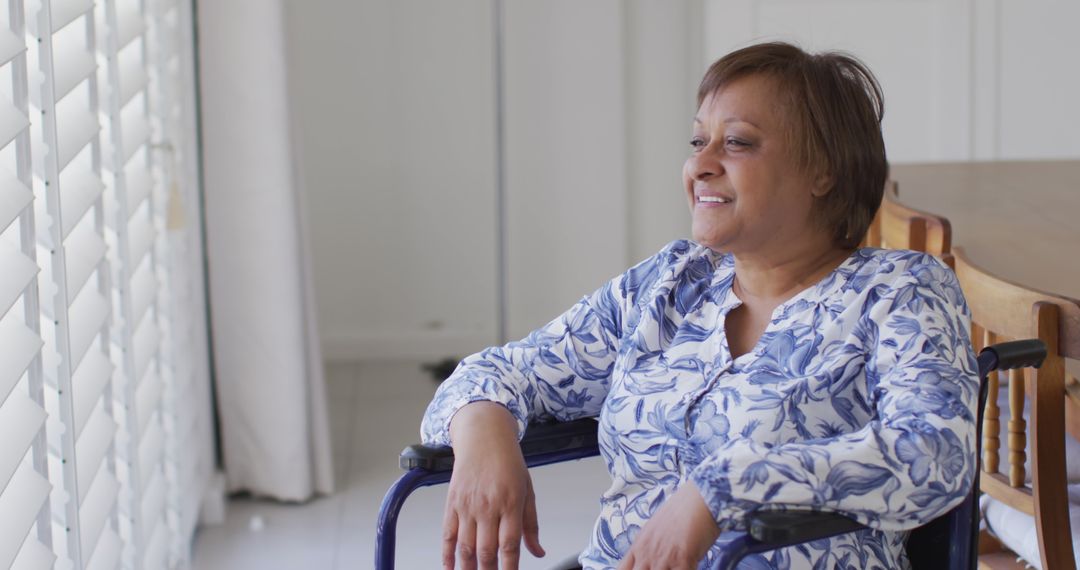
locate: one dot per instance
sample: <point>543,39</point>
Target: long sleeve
<point>561,370</point>
<point>912,461</point>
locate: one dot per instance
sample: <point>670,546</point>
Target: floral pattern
<point>858,398</point>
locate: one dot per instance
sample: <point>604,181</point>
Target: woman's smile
<point>712,200</point>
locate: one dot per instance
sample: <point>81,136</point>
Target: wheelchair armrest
<point>779,528</point>
<point>1014,354</point>
<point>774,529</point>
<point>539,439</point>
<point>419,456</point>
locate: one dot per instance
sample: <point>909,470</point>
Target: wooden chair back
<point>897,226</point>
<point>1001,311</point>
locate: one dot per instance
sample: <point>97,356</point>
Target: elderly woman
<point>768,364</point>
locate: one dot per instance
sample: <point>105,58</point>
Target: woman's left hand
<point>677,536</point>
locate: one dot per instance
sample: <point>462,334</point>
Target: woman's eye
<point>736,143</point>
<point>697,143</point>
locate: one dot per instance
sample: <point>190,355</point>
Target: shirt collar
<point>832,284</point>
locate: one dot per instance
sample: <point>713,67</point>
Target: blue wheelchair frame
<point>948,542</point>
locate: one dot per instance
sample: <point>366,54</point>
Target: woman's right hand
<point>490,506</point>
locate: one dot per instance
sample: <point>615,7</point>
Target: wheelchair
<point>948,542</point>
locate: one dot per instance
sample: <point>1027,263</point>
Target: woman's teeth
<point>715,199</point>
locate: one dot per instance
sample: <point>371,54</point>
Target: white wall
<point>566,146</point>
<point>665,60</point>
<point>598,110</point>
<point>393,102</point>
<point>963,79</point>
<point>1035,76</point>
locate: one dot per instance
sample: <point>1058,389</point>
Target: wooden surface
<point>1019,220</point>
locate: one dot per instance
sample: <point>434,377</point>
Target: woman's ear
<point>823,184</point>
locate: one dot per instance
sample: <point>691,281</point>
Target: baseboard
<point>402,346</point>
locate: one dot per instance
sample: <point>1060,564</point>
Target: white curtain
<point>270,385</point>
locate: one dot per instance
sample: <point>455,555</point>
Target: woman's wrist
<point>482,424</point>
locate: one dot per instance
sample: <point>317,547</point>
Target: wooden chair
<point>1002,311</point>
<point>897,226</point>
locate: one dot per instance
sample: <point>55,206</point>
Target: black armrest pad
<point>418,456</point>
<point>786,528</point>
<point>1018,353</point>
<point>549,437</point>
<point>539,438</point>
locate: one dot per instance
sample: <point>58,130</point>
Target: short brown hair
<point>835,109</point>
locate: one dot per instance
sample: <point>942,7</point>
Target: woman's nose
<point>705,164</point>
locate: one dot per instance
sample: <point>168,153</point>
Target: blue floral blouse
<point>858,398</point>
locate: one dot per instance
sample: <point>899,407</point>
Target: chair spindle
<point>1017,429</point>
<point>992,414</point>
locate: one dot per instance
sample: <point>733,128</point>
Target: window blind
<point>25,531</point>
<point>132,229</point>
<point>104,374</point>
<point>75,306</point>
<point>189,452</point>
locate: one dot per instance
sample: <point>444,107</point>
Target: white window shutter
<point>132,231</point>
<point>189,440</point>
<point>105,411</point>
<point>25,528</point>
<point>76,296</point>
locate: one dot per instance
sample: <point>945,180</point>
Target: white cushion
<point>1016,530</point>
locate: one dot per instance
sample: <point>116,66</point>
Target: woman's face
<point>746,191</point>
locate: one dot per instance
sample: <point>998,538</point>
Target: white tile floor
<point>375,410</point>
